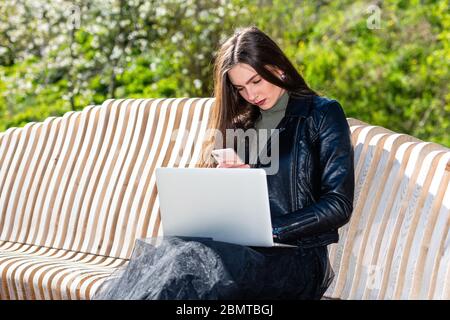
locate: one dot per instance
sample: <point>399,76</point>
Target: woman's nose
<point>252,96</point>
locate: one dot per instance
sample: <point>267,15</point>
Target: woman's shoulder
<point>315,107</point>
<point>322,103</point>
<point>326,108</point>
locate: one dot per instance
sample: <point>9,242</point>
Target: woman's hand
<point>232,165</point>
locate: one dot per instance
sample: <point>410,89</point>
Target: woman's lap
<point>189,268</point>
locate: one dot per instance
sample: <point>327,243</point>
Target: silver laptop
<point>225,204</point>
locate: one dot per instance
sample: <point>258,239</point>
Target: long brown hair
<point>250,46</point>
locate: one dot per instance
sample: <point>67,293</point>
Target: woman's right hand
<point>232,165</point>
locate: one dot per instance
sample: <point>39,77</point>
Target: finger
<point>229,165</point>
<point>232,165</point>
<point>223,165</point>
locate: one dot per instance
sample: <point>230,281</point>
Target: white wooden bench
<point>76,191</point>
<point>396,245</point>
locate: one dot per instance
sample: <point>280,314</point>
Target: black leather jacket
<point>311,195</point>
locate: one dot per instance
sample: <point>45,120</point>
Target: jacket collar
<point>298,106</point>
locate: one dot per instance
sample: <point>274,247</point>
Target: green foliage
<point>395,75</point>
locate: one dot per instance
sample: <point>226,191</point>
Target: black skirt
<point>201,268</point>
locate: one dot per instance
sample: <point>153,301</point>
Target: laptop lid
<point>226,204</point>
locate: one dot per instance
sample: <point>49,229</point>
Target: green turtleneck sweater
<point>269,120</point>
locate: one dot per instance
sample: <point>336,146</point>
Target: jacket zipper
<point>294,169</point>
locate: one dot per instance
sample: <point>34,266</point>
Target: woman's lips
<point>260,103</point>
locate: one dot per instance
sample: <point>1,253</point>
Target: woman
<point>310,192</point>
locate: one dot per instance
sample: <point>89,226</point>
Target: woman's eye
<point>255,82</point>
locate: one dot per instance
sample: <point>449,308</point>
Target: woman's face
<point>253,88</point>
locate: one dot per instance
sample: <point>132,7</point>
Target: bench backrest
<point>396,245</point>
<point>85,182</point>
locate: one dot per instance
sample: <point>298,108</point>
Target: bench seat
<point>35,272</point>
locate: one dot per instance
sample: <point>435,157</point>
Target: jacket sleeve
<point>335,205</point>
